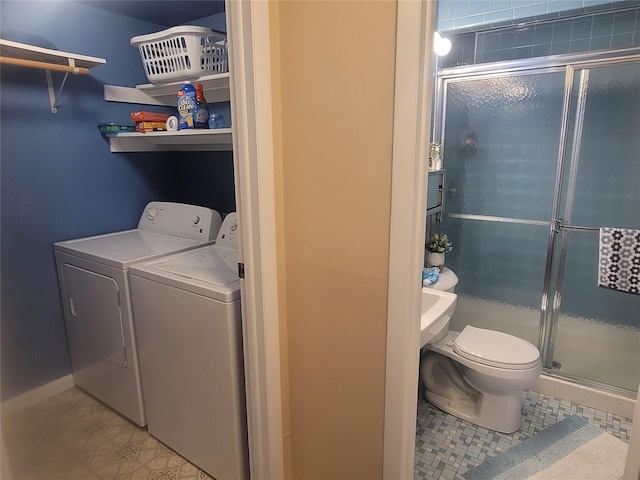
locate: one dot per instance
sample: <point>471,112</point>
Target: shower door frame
<point>570,64</point>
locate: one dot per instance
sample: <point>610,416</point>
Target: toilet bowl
<point>479,375</point>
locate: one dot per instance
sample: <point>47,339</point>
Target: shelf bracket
<point>52,94</point>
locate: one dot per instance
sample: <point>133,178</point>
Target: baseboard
<point>27,399</point>
<point>587,396</point>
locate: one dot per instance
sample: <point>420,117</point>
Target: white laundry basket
<point>182,53</point>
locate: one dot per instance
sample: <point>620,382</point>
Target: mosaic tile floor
<point>72,436</point>
<point>446,446</point>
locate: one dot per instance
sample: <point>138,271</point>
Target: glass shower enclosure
<point>540,154</point>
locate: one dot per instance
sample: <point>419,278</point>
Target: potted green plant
<point>437,246</point>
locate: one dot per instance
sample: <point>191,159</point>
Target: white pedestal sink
<point>437,308</point>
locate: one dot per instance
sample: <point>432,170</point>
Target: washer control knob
<point>196,220</point>
<point>234,227</point>
<point>151,213</point>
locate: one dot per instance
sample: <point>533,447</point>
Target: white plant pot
<point>435,259</point>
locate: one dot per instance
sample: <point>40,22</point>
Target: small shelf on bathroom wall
<point>215,86</point>
<point>217,140</point>
<point>435,191</point>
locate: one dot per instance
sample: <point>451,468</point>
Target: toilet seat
<point>495,349</point>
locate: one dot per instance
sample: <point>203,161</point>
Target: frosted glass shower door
<point>594,332</point>
<point>501,139</point>
<point>531,148</point>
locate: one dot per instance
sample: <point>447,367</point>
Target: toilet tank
<point>447,281</point>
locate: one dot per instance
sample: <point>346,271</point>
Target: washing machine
<point>94,286</point>
<point>187,315</point>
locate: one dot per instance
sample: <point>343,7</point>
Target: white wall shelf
<point>216,89</point>
<point>23,55</point>
<point>204,140</point>
<point>45,55</point>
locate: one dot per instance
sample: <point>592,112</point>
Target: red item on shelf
<point>149,117</point>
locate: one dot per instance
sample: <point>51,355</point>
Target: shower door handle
<point>558,225</point>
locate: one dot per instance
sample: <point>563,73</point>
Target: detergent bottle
<point>186,106</point>
<point>201,112</point>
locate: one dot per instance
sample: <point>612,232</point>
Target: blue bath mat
<point>570,449</point>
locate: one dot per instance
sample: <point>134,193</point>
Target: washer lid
<point>216,265</point>
<point>495,349</point>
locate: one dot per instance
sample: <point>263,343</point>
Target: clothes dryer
<point>94,286</point>
<point>187,314</point>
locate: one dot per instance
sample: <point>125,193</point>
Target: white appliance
<point>94,285</point>
<point>187,314</point>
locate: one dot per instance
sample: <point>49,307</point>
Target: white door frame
<point>411,129</point>
<point>250,82</point>
<point>249,50</point>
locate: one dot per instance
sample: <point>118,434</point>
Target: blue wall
<point>479,14</point>
<point>586,33</point>
<point>59,180</point>
<point>618,29</point>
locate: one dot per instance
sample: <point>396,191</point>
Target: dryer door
<point>95,320</point>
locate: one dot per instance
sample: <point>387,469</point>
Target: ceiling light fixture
<point>441,45</point>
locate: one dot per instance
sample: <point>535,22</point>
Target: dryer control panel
<point>181,220</point>
<point>228,234</point>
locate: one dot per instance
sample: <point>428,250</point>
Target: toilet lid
<point>495,349</point>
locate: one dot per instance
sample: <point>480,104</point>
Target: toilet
<point>478,375</point>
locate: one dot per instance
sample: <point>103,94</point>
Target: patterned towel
<point>619,260</point>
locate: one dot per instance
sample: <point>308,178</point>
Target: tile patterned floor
<point>72,436</point>
<point>446,446</point>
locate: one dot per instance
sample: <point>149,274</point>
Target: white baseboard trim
<point>587,396</point>
<point>27,399</point>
